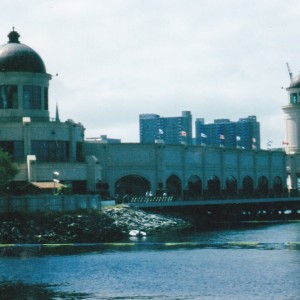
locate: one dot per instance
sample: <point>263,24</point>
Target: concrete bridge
<point>246,209</point>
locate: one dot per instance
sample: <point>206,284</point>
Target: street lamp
<point>55,180</point>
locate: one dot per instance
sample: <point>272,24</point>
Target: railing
<point>145,199</point>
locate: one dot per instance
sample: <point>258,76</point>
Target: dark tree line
<point>8,170</point>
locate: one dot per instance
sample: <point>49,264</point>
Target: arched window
<point>248,186</point>
<point>277,186</point>
<point>194,187</point>
<point>132,185</point>
<point>173,186</point>
<point>231,186</point>
<point>263,186</point>
<point>214,187</point>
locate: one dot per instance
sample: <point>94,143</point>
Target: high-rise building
<point>244,133</point>
<point>170,130</point>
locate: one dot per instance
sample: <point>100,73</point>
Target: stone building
<point>39,145</point>
<point>191,172</point>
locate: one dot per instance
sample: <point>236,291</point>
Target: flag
<point>160,131</point>
<point>253,147</point>
<point>238,138</point>
<point>222,137</point>
<point>203,135</point>
<point>254,140</point>
<point>183,133</point>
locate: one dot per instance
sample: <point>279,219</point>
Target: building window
<point>46,98</point>
<point>293,98</point>
<point>8,96</point>
<point>14,148</point>
<point>52,151</point>
<point>79,152</point>
<point>32,97</point>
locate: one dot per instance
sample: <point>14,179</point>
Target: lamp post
<point>55,180</point>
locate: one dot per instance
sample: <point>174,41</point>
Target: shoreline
<point>110,224</point>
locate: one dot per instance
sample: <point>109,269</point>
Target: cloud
<point>120,58</point>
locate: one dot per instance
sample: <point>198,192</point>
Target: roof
<point>295,83</point>
<point>17,57</point>
<point>47,185</point>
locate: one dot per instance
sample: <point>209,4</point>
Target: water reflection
<point>252,262</point>
<point>67,250</point>
<point>22,291</point>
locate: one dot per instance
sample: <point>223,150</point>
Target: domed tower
<point>38,144</point>
<point>23,82</point>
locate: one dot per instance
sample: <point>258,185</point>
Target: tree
<point>8,170</point>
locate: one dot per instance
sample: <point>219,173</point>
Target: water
<point>254,261</point>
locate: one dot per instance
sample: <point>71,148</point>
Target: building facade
<point>170,130</point>
<point>244,133</point>
<point>189,172</point>
<point>40,145</point>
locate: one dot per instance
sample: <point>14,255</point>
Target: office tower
<point>170,130</point>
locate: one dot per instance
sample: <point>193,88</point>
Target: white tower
<point>292,117</point>
<point>292,133</point>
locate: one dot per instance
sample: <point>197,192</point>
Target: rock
<point>109,224</point>
<point>131,219</point>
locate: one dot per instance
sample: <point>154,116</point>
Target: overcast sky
<point>117,59</point>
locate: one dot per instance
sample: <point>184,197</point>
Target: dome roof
<point>17,57</point>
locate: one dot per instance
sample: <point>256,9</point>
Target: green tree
<point>8,170</point>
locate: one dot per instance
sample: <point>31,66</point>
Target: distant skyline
<point>118,59</point>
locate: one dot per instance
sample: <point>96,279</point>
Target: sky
<point>117,59</point>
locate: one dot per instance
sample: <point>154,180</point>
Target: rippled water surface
<point>254,261</point>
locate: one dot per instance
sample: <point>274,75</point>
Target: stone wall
<point>157,162</point>
<point>43,203</point>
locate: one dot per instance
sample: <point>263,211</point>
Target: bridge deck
<point>214,202</point>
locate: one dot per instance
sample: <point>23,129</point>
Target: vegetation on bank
<point>8,170</point>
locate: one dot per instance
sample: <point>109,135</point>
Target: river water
<point>249,261</point>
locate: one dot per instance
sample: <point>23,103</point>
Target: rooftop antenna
<point>290,72</point>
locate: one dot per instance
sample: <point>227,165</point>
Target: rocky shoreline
<point>127,219</point>
<point>106,225</point>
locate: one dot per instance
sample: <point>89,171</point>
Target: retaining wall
<point>52,203</point>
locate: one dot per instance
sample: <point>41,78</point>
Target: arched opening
<point>132,185</point>
<point>214,187</point>
<point>194,187</point>
<point>231,186</point>
<point>248,186</point>
<point>173,186</point>
<point>263,187</point>
<point>277,186</point>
